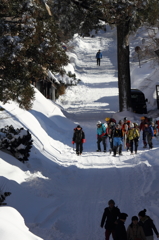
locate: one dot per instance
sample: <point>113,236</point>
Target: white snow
<point>62,196</point>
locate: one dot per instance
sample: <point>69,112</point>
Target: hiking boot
<point>131,153</point>
<point>98,150</point>
<point>104,151</point>
<point>120,154</point>
<point>135,152</point>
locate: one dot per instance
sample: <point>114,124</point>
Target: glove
<point>7,194</point>
<point>73,142</point>
<point>83,140</point>
<point>110,140</point>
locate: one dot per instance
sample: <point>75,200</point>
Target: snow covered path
<point>60,195</point>
<point>97,95</point>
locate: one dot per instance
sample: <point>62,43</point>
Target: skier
<point>79,139</point>
<point>120,231</point>
<point>98,57</point>
<point>101,136</point>
<point>109,218</point>
<point>117,137</point>
<point>133,137</point>
<point>147,223</point>
<point>135,231</point>
<point>148,134</point>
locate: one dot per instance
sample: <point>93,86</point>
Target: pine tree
<point>29,47</point>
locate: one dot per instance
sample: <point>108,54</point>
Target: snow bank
<point>12,226</point>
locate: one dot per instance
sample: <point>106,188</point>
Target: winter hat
<point>131,125</point>
<point>142,213</point>
<point>123,216</point>
<point>78,126</point>
<point>111,201</point>
<point>99,123</point>
<point>134,218</point>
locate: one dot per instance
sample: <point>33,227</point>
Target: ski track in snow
<point>72,191</point>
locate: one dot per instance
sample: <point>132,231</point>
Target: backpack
<point>78,135</point>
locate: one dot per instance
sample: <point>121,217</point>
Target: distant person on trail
<point>109,218</point>
<point>120,231</point>
<point>79,139</point>
<point>98,57</point>
<point>101,136</point>
<point>147,224</point>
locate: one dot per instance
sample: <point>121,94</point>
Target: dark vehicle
<point>138,101</point>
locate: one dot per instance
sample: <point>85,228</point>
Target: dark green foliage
<point>17,141</point>
<point>77,17</point>
<point>29,47</point>
<point>3,196</point>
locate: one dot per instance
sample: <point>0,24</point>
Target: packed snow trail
<point>60,195</point>
<point>97,95</point>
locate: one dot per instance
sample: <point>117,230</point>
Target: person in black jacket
<point>147,223</point>
<point>117,137</point>
<point>120,231</point>
<point>109,218</point>
<point>79,139</point>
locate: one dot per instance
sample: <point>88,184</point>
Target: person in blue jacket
<point>98,57</point>
<point>148,134</point>
<point>101,136</point>
<point>117,137</point>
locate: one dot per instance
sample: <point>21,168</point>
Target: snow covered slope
<point>60,195</point>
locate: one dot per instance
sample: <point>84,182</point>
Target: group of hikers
<point>118,134</point>
<point>141,227</point>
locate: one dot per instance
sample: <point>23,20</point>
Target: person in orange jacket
<point>79,139</point>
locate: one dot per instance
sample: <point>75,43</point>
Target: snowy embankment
<point>60,195</point>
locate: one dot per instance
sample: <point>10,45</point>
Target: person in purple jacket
<point>148,134</point>
<point>98,57</point>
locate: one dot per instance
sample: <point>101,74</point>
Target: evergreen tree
<point>29,47</point>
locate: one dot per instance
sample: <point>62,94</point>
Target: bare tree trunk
<point>1,90</point>
<point>124,82</point>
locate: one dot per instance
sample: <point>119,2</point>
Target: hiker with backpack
<point>133,136</point>
<point>79,139</point>
<point>101,136</point>
<point>148,134</point>
<point>117,137</point>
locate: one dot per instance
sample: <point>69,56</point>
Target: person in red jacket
<point>79,139</point>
